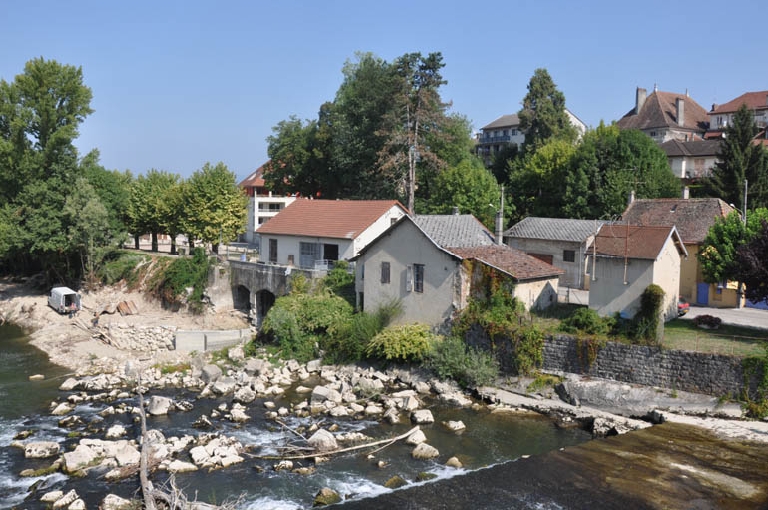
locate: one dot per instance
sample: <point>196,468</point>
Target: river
<point>489,439</point>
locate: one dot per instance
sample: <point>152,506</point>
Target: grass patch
<point>173,368</point>
<point>543,381</point>
<point>683,335</point>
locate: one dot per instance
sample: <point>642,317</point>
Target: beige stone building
<point>627,259</point>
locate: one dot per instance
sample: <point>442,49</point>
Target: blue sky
<point>179,83</point>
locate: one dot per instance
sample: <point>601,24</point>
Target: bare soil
<point>73,343</point>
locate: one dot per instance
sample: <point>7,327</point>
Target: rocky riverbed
<point>99,355</point>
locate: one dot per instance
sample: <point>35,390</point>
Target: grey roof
<point>692,148</point>
<point>554,229</point>
<point>454,230</point>
<point>503,121</point>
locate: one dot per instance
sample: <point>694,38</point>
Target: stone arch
<point>264,299</point>
<point>241,298</point>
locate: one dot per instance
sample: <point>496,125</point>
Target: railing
<point>495,139</point>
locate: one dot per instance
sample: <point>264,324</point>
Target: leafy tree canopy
<point>752,265</point>
<point>740,158</point>
<point>717,255</point>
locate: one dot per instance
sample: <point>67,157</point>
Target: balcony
<point>495,139</point>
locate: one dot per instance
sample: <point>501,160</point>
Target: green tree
<point>610,163</point>
<point>740,159</point>
<point>543,116</point>
<point>88,228</point>
<point>717,255</point>
<point>537,181</point>
<point>114,190</point>
<point>468,186</point>
<point>752,265</point>
<point>40,112</point>
<point>147,204</point>
<point>417,111</point>
<point>293,159</point>
<point>357,120</point>
<point>216,206</point>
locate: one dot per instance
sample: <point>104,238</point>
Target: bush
<point>648,318</point>
<point>708,321</point>
<point>118,266</point>
<point>452,358</point>
<point>349,344</point>
<point>407,342</point>
<point>529,350</point>
<point>341,282</point>
<point>303,323</point>
<point>586,320</point>
<point>170,285</point>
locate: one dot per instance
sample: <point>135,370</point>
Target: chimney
<point>680,111</point>
<point>499,229</point>
<point>714,106</point>
<point>686,193</point>
<point>631,197</point>
<point>455,210</point>
<point>640,95</point>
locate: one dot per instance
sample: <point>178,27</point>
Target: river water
<point>490,438</point>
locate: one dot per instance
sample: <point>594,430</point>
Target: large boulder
<point>158,405</point>
<point>416,438</point>
<point>245,395</point>
<point>326,496</point>
<point>179,466</point>
<point>115,502</point>
<point>323,441</point>
<point>423,451</point>
<point>82,456</point>
<point>41,449</point>
<point>322,393</point>
<point>422,416</point>
<point>210,373</point>
<point>255,366</point>
<point>224,386</point>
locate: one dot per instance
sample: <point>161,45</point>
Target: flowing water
<point>490,438</point>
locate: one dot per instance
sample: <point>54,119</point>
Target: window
<point>569,256</point>
<point>385,272</point>
<point>308,254</point>
<point>273,251</point>
<point>418,277</point>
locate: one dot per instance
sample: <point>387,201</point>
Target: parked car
<point>682,307</point>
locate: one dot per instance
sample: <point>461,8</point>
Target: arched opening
<point>241,299</point>
<point>264,301</point>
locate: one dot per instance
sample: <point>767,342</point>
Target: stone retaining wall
<point>696,372</point>
<point>202,341</point>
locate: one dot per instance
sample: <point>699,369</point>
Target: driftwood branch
<point>389,441</point>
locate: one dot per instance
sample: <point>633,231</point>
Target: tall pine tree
<point>543,114</point>
<point>741,157</point>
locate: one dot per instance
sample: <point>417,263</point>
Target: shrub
<point>647,319</point>
<point>470,367</point>
<point>708,321</point>
<point>341,282</point>
<point>171,285</point>
<point>529,350</point>
<point>542,381</point>
<point>349,343</point>
<point>118,266</point>
<point>303,323</point>
<point>407,342</point>
<point>586,320</point>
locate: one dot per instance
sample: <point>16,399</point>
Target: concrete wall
<point>607,292</point>
<point>202,341</point>
<point>666,274</point>
<point>537,294</point>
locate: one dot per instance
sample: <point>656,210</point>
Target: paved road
<point>751,317</point>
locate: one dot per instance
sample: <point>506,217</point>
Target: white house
<point>432,265</point>
<point>721,116</point>
<point>627,259</point>
<point>311,233</point>
<point>262,204</point>
<point>693,160</point>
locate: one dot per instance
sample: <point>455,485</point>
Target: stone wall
<point>711,374</point>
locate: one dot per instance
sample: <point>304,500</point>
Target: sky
<point>177,84</point>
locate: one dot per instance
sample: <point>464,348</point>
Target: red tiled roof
<point>635,242</point>
<point>513,262</point>
<point>692,217</point>
<point>659,110</point>
<point>753,100</point>
<point>337,219</point>
<point>256,179</point>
